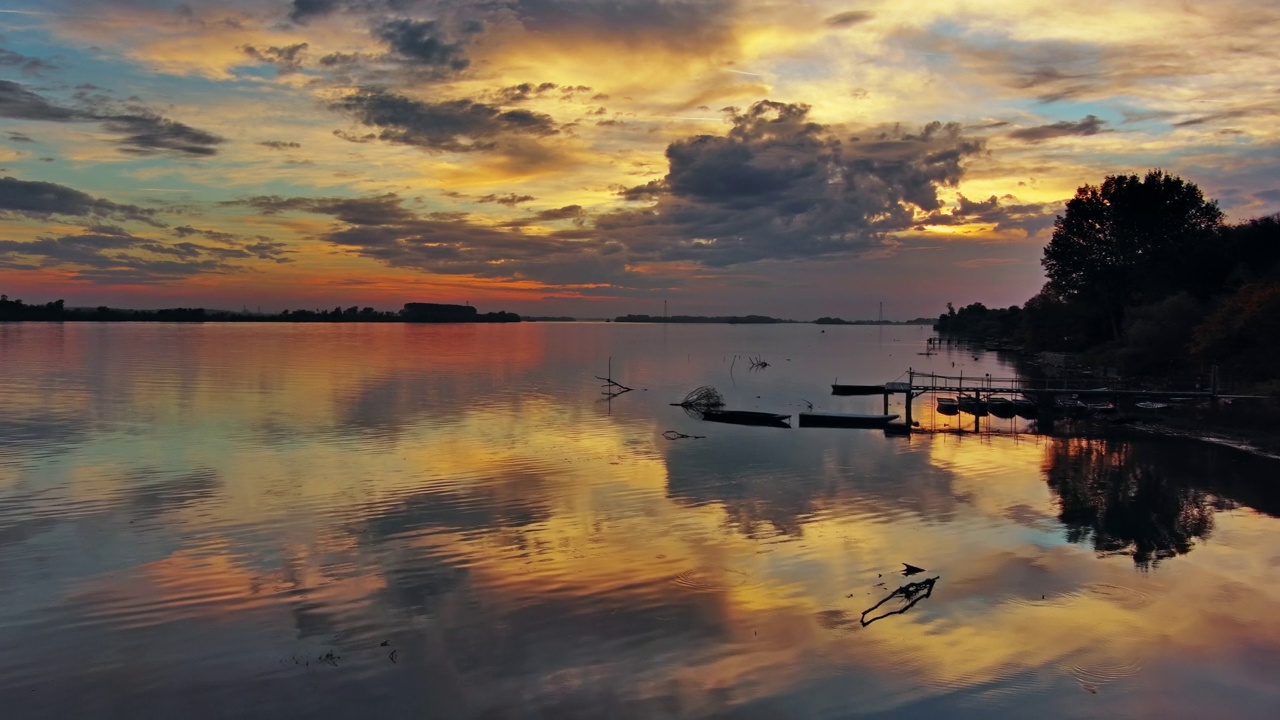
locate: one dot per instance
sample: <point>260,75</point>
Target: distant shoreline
<point>18,311</point>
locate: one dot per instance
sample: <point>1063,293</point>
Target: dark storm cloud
<point>779,186</point>
<point>280,144</point>
<point>144,131</point>
<point>286,59</point>
<point>19,137</point>
<point>454,125</point>
<point>848,19</point>
<point>42,199</point>
<point>422,41</point>
<point>1089,125</point>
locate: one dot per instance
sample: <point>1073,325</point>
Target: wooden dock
<point>1043,392</point>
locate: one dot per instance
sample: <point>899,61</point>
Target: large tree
<point>1130,240</point>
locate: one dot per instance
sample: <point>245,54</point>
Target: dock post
<point>911,383</point>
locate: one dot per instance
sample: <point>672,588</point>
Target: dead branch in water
<point>702,398</point>
<point>612,388</point>
<point>757,363</point>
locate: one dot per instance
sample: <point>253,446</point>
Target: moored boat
<point>1001,407</point>
<point>747,417</point>
<point>1026,409</point>
<point>973,406</point>
<point>948,406</point>
<point>844,420</point>
<point>837,389</point>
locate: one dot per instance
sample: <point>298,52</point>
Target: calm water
<point>447,521</point>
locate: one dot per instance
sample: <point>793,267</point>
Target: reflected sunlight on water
<point>451,521</point>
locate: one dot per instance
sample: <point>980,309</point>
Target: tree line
<point>17,310</point>
<point>1144,274</point>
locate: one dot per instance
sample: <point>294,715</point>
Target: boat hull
<point>857,389</point>
<point>844,420</point>
<point>747,417</point>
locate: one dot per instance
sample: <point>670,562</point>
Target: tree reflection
<point>1125,506</point>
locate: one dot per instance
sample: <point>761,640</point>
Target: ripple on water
<point>1064,599</point>
<point>711,577</point>
<point>1119,595</point>
<point>1094,674</point>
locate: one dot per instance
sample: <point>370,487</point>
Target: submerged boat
<point>747,417</point>
<point>948,406</point>
<point>844,420</point>
<point>1147,405</point>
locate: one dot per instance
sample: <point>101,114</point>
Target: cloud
<point>779,186</point>
<point>848,19</point>
<point>102,258</point>
<point>1089,125</point>
<point>9,58</point>
<point>529,91</point>
<point>19,103</point>
<point>144,131</point>
<point>454,125</point>
<point>111,255</point>
<point>382,229</point>
<point>421,42</point>
<point>280,144</point>
<point>287,59</point>
<point>569,212</point>
<point>43,199</point>
<point>303,10</point>
<point>1030,218</point>
<point>510,199</point>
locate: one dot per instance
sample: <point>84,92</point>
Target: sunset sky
<point>549,157</point>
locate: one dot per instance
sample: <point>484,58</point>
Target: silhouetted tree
<point>1130,239</point>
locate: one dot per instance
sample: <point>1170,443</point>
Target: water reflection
<point>444,522</point>
<point>1121,506</point>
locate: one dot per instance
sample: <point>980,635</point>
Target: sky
<point>593,159</point>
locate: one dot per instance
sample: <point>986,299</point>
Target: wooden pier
<point>1043,392</point>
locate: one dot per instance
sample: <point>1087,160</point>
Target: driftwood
<point>673,435</point>
<point>913,592</point>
